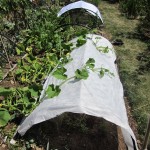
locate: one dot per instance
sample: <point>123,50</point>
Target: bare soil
<point>75,132</point>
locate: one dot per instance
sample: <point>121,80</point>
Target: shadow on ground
<point>75,132</point>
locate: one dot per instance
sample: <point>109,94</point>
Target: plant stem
<point>10,64</point>
<point>11,69</point>
<point>8,39</point>
<point>12,107</point>
<point>66,81</point>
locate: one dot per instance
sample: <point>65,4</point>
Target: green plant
<point>130,7</point>
<point>95,2</point>
<point>80,74</point>
<point>134,8</point>
<point>81,40</point>
<point>18,101</point>
<point>144,25</point>
<point>4,116</point>
<point>34,69</point>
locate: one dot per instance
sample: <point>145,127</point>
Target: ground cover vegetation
<point>33,45</point>
<point>130,23</point>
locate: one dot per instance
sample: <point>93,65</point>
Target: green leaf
<point>28,60</point>
<point>106,70</point>
<point>25,99</point>
<point>6,92</point>
<point>18,51</point>
<point>26,67</point>
<point>33,93</point>
<point>67,46</point>
<point>36,66</point>
<point>4,117</point>
<point>81,41</point>
<point>81,74</point>
<point>90,63</point>
<point>53,91</point>
<point>18,71</point>
<point>83,32</point>
<point>20,62</point>
<point>24,89</point>
<point>35,90</point>
<point>103,49</point>
<point>106,50</point>
<point>102,72</point>
<point>20,47</point>
<point>60,73</point>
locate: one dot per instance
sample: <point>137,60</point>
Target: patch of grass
<point>136,84</point>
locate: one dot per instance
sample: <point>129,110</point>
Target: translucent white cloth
<point>84,5</point>
<point>100,97</point>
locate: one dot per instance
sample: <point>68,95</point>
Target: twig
<point>8,72</point>
<point>11,69</point>
<point>8,38</point>
<point>10,64</point>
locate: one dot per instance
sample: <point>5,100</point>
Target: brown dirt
<point>132,123</point>
<point>121,143</point>
<point>9,80</point>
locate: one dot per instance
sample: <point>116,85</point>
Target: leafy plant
<point>103,49</point>
<point>18,101</point>
<point>60,73</point>
<point>4,117</point>
<point>90,63</point>
<point>81,74</point>
<point>104,71</point>
<point>53,91</point>
<point>130,7</point>
<point>81,41</point>
<point>134,8</point>
<point>144,25</point>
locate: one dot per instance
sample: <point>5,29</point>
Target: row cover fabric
<point>84,5</point>
<point>95,96</point>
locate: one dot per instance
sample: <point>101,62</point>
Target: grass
<point>136,84</point>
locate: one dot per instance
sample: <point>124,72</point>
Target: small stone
<point>12,141</point>
<point>138,141</point>
<point>11,81</point>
